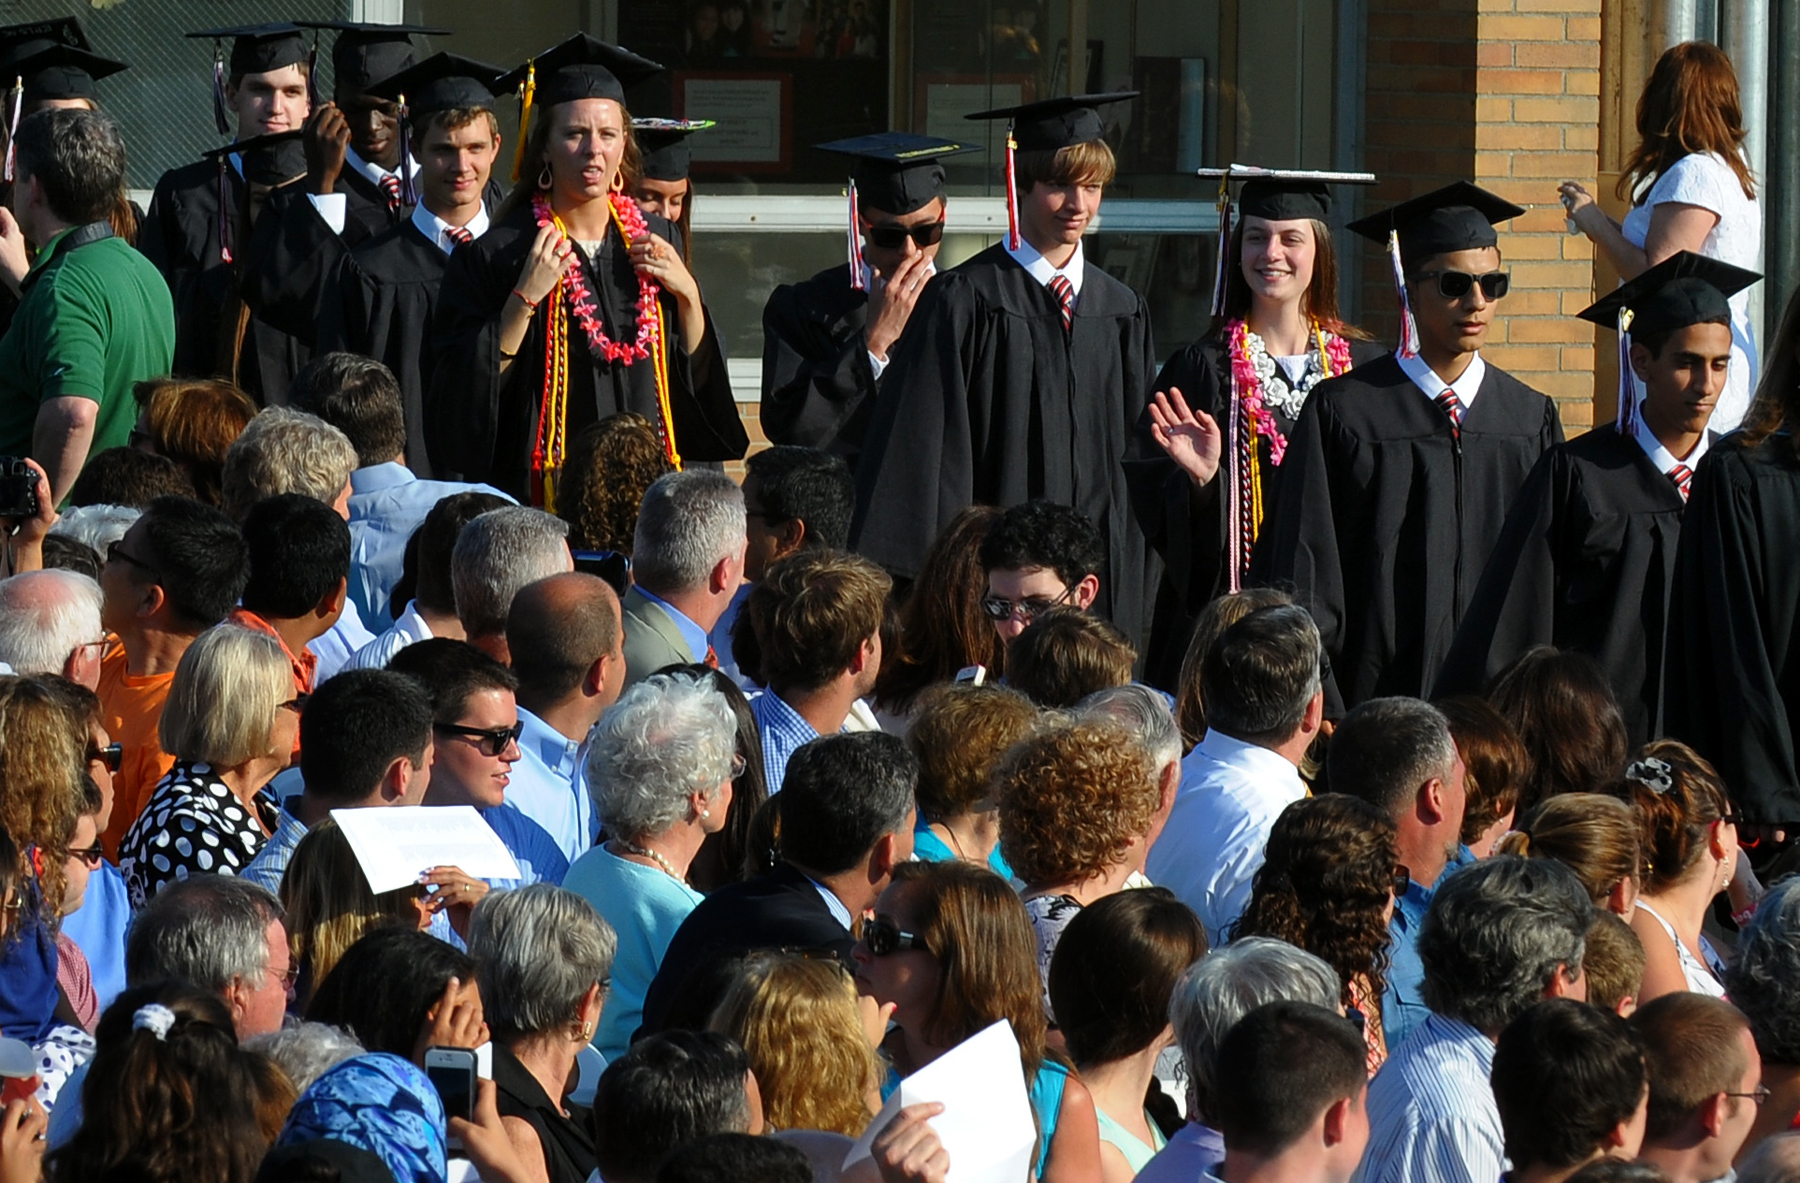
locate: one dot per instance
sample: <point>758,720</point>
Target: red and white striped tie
<point>459,235</point>
<point>390,185</point>
<point>1452,407</point>
<point>1683,476</point>
<point>1064,291</point>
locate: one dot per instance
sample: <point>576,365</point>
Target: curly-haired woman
<point>1080,804</point>
<point>610,465</point>
<point>1328,886</point>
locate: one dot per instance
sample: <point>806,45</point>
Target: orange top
<point>130,709</point>
<point>305,666</point>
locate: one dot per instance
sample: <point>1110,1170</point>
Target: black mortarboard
<point>583,68</point>
<point>52,59</point>
<point>258,49</point>
<point>1280,195</point>
<point>1062,122</point>
<point>663,147</point>
<point>367,53</point>
<point>268,159</point>
<point>442,82</point>
<point>1281,201</point>
<point>1685,289</point>
<point>1458,217</point>
<point>896,172</point>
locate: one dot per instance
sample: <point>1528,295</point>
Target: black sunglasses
<point>91,856</point>
<point>1402,881</point>
<point>112,755</point>
<point>1454,285</point>
<point>114,552</point>
<point>296,704</point>
<point>1029,608</point>
<point>892,238</point>
<point>882,937</point>
<point>490,741</point>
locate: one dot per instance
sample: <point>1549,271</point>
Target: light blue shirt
<point>387,503</point>
<point>335,648</point>
<point>98,930</point>
<point>270,863</point>
<point>645,905</point>
<point>1432,1117</point>
<point>691,634</point>
<point>540,859</point>
<point>549,785</point>
<point>720,639</point>
<point>783,731</point>
<point>1403,1004</point>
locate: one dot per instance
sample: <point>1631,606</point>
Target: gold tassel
<point>527,95</point>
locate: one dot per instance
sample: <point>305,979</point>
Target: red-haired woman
<point>1208,450</point>
<point>1690,190</point>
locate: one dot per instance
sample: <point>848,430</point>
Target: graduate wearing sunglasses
<point>826,340</point>
<point>1399,474</point>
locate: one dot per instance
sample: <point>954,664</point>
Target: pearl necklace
<point>645,852</point>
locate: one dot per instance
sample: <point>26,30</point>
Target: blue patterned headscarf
<point>381,1103</point>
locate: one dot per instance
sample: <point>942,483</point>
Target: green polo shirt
<point>91,322</point>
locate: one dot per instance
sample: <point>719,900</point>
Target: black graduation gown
<point>1187,526</point>
<point>818,386</point>
<point>380,303</point>
<point>1733,686</point>
<point>1384,519</point>
<point>1584,562</point>
<point>987,400</point>
<point>180,235</point>
<point>481,427</point>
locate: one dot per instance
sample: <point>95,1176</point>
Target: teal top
<point>95,317</point>
<point>1045,1093</point>
<point>645,905</point>
<point>929,848</point>
<point>1136,1151</point>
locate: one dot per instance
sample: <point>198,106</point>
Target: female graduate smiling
<point>575,305</point>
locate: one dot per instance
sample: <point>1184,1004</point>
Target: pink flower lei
<point>1248,383</point>
<point>581,301</point>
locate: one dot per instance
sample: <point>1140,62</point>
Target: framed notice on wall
<point>751,110</point>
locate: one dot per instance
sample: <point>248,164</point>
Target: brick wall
<point>1505,93</point>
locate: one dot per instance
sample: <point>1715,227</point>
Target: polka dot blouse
<point>193,824</point>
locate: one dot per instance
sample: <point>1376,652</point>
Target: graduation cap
<point>579,68</point>
<point>1458,217</point>
<point>894,172</point>
<point>52,59</point>
<point>1047,125</point>
<point>367,53</point>
<point>1684,289</point>
<point>442,82</point>
<point>255,49</point>
<point>268,159</point>
<point>663,147</point>
<point>1279,195</point>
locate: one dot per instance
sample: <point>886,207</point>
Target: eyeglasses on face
<point>490,741</point>
<point>112,755</point>
<point>89,855</point>
<point>892,238</point>
<point>881,937</point>
<point>115,552</point>
<point>1759,1094</point>
<point>1402,881</point>
<point>1454,285</point>
<point>296,704</point>
<point>98,648</point>
<point>1027,609</point>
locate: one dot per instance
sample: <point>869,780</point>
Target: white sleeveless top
<point>1700,979</point>
<point>1705,180</point>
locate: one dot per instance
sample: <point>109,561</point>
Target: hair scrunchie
<point>155,1018</point>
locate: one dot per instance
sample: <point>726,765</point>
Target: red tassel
<point>219,119</point>
<point>224,210</point>
<point>1409,329</point>
<point>1626,419</point>
<point>853,242</point>
<point>1012,192</point>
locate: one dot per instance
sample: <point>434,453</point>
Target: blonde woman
<point>230,721</point>
<point>811,1041</point>
<point>329,905</point>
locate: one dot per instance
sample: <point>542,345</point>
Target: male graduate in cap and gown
<point>1021,374</point>
<point>1400,474</point>
<point>1588,553</point>
<point>198,227</point>
<point>1208,452</point>
<point>382,294</point>
<point>827,340</point>
<point>575,305</point>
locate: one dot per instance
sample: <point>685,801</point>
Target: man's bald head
<point>557,629</point>
<point>46,618</point>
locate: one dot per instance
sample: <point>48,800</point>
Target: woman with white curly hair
<point>659,767</point>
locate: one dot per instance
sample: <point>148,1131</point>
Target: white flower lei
<point>1278,392</point>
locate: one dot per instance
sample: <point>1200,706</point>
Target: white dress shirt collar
<point>1252,758</point>
<point>374,172</point>
<point>1661,456</point>
<point>1030,258</point>
<point>437,231</point>
<point>1466,387</point>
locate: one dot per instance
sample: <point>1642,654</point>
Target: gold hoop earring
<point>618,182</point>
<point>544,180</point>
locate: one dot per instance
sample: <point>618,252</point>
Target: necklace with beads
<point>646,852</point>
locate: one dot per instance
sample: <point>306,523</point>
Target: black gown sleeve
<point>466,386</point>
<point>1514,606</point>
<point>917,468</point>
<point>293,255</point>
<point>1181,521</point>
<point>817,389</point>
<point>1732,633</point>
